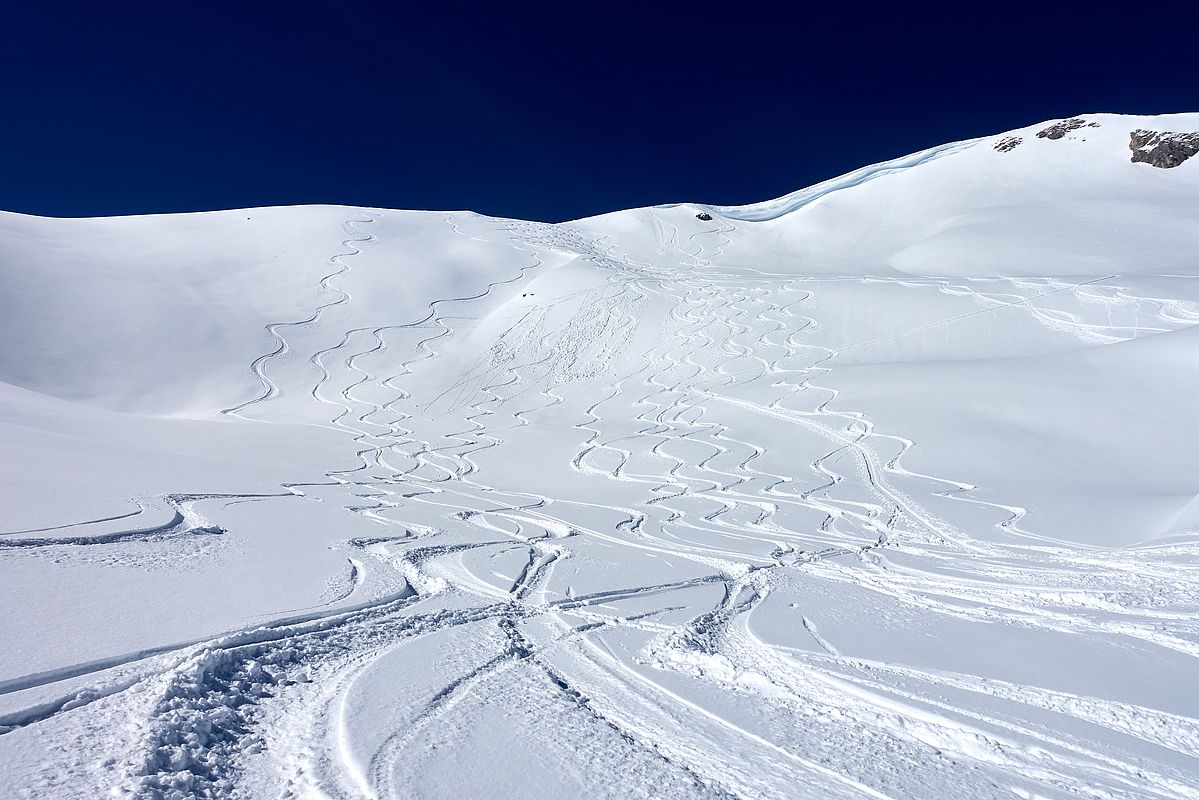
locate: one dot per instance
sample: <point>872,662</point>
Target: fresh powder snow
<point>887,488</point>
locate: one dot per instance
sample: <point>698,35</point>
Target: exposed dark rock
<point>1008,143</point>
<point>1059,129</point>
<point>1162,149</point>
<point>1141,138</point>
<point>704,215</point>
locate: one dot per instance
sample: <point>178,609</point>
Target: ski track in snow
<point>641,371</point>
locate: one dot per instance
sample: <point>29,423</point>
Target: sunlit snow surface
<point>883,489</point>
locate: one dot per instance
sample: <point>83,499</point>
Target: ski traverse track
<point>634,506</point>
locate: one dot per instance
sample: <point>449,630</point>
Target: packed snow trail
<point>626,507</point>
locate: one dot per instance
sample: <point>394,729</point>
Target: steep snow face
<point>885,488</point>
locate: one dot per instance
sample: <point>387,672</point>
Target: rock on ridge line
<point>1059,129</point>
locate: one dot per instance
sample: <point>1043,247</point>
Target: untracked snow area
<point>888,488</point>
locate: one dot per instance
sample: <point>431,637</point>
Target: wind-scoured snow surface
<point>884,489</point>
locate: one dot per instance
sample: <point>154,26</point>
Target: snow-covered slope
<point>885,488</point>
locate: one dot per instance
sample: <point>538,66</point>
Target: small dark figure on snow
<point>704,215</point>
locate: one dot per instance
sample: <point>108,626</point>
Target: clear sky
<point>535,111</point>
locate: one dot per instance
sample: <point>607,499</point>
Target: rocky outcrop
<point>1059,129</point>
<point>1162,149</point>
<point>704,216</point>
<point>1008,144</point>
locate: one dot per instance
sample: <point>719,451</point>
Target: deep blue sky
<point>523,111</point>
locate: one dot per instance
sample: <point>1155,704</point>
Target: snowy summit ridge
<point>883,488</point>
